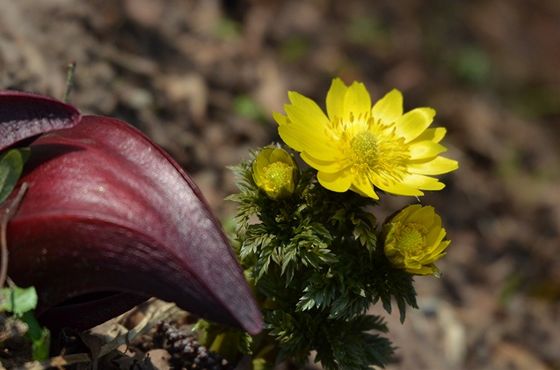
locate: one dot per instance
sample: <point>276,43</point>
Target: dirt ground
<point>203,77</point>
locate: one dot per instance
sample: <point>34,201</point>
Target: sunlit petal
<point>323,166</point>
<point>423,182</point>
<point>413,123</point>
<point>388,108</point>
<point>306,112</point>
<point>357,102</point>
<point>364,187</point>
<point>432,134</point>
<point>339,182</point>
<point>425,149</point>
<point>397,188</point>
<point>335,99</point>
<point>438,253</point>
<point>437,166</point>
<point>302,138</point>
<point>423,215</point>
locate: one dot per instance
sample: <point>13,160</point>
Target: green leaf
<point>18,300</point>
<point>11,167</point>
<point>350,345</point>
<point>391,283</point>
<point>40,337</point>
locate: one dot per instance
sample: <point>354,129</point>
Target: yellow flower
<point>274,172</point>
<point>357,146</point>
<point>414,240</point>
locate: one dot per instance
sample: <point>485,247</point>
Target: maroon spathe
<point>108,210</point>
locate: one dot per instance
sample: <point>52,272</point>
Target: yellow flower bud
<point>414,240</point>
<point>274,172</point>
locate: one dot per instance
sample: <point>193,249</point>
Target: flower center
<point>364,149</point>
<point>278,175</point>
<point>411,239</point>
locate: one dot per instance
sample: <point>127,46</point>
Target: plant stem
<point>9,212</point>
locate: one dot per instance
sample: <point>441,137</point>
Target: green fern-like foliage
<point>317,267</point>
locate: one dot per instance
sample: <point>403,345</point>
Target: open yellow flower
<point>413,240</point>
<point>274,172</point>
<point>356,146</point>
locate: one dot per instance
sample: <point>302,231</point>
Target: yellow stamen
<point>364,149</point>
<point>412,239</point>
<point>277,175</point>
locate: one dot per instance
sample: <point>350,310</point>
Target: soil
<point>202,78</point>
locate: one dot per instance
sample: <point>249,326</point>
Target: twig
<point>9,212</point>
<point>108,336</point>
<point>71,69</point>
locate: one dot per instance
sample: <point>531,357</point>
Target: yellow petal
<point>422,216</point>
<point>435,235</point>
<point>437,166</point>
<point>306,128</point>
<point>388,108</point>
<point>280,118</point>
<point>403,214</point>
<point>357,101</point>
<point>324,166</point>
<point>413,123</point>
<point>306,111</point>
<point>280,155</point>
<point>258,173</point>
<point>435,242</point>
<point>268,154</point>
<point>432,134</point>
<point>438,252</point>
<point>396,188</point>
<point>411,263</point>
<point>259,165</point>
<point>335,99</point>
<point>424,270</point>
<point>339,182</point>
<point>322,150</point>
<point>295,136</point>
<point>301,137</point>
<point>294,141</point>
<point>425,149</point>
<point>364,187</point>
<point>423,182</point>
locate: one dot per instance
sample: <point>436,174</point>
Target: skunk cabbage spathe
<point>107,210</point>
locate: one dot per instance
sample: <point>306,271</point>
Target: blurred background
<point>203,77</point>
